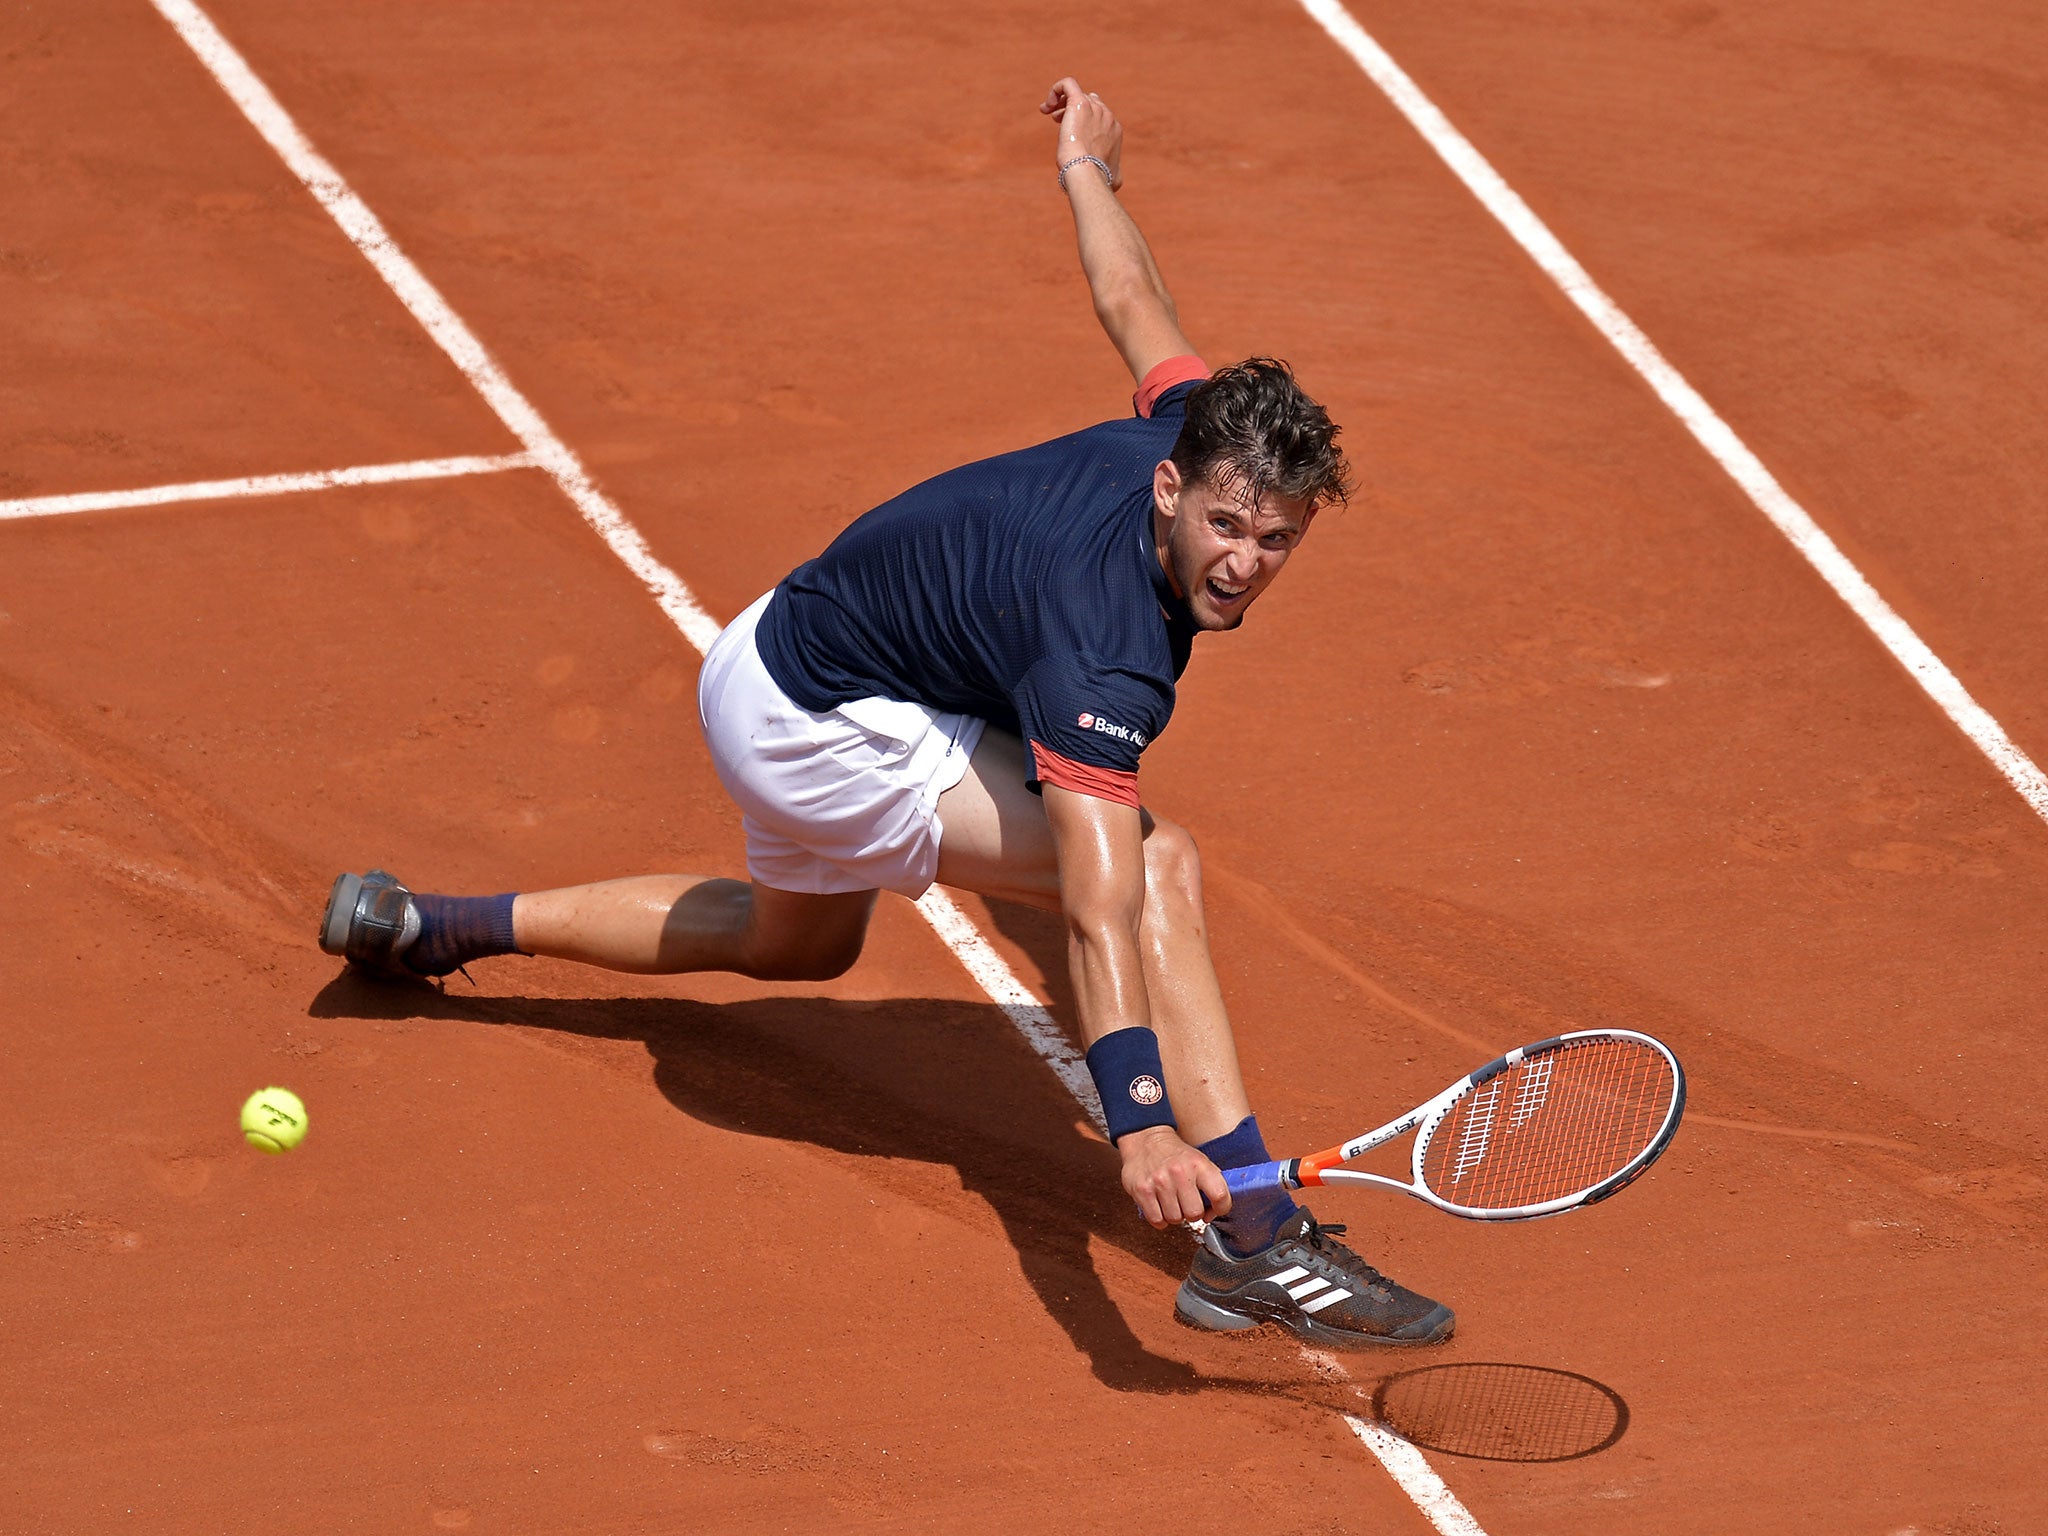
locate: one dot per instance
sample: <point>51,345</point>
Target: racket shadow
<point>1490,1410</point>
<point>930,1081</point>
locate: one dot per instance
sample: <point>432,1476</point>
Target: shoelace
<point>1342,1257</point>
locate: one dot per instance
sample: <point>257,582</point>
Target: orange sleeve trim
<point>1175,370</point>
<point>1083,779</point>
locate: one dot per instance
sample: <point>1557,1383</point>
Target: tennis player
<point>960,688</point>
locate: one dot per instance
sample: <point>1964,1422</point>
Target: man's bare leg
<point>663,924</point>
<point>997,842</point>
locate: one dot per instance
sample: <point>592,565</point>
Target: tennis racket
<point>1550,1127</point>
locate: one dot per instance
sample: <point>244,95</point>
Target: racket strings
<point>1553,1125</point>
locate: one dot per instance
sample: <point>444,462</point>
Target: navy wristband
<point>1130,1080</point>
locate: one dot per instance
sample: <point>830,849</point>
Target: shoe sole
<point>1197,1311</point>
<point>341,911</point>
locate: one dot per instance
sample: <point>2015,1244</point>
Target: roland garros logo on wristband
<point>1147,1089</point>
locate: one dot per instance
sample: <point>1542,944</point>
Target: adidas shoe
<point>370,921</point>
<point>1311,1283</point>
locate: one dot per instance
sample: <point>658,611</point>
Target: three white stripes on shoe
<point>1308,1288</point>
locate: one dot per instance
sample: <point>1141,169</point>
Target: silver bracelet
<point>1103,166</point>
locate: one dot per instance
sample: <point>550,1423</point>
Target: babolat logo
<point>1102,727</point>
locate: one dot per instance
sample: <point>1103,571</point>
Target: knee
<point>825,960</point>
<point>1173,866</point>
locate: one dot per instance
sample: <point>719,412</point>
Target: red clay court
<point>1552,729</point>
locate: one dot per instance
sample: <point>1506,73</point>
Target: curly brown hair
<point>1252,429</point>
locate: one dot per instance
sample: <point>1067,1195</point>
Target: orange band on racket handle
<point>1309,1170</point>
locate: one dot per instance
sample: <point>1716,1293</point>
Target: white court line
<point>367,233</point>
<point>1033,1019</point>
<point>265,485</point>
<point>1030,1015</point>
<point>1686,403</point>
<point>1404,1463</point>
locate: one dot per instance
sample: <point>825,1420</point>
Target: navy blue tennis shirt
<point>1025,590</point>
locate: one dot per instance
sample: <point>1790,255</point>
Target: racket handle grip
<point>1256,1176</point>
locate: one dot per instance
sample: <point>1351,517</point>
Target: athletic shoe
<point>370,921</point>
<point>1311,1283</point>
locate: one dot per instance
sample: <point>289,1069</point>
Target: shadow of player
<point>950,1084</point>
<point>928,1080</point>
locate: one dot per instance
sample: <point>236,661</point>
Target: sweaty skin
<point>1220,552</point>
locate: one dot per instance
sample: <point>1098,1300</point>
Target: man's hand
<point>1168,1178</point>
<point>1087,127</point>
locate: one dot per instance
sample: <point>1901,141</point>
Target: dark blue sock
<point>1254,1219</point>
<point>455,930</point>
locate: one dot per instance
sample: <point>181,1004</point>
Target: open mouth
<point>1224,596</point>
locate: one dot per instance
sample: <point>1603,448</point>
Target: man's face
<point>1218,550</point>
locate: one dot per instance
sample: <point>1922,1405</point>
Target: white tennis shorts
<point>847,800</point>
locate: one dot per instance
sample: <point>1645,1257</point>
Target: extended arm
<point>1101,850</point>
<point>1130,296</point>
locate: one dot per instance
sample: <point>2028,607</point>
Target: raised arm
<point>1130,296</point>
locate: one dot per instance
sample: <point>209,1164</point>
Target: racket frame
<point>1322,1167</point>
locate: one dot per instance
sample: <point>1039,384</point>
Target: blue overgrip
<point>1253,1176</point>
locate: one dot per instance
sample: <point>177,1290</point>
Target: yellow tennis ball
<point>274,1120</point>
